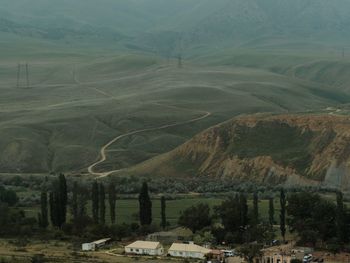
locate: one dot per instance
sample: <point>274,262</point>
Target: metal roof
<point>188,248</point>
<point>101,241</point>
<point>144,245</point>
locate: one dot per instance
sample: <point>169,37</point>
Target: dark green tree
<point>196,217</point>
<point>271,211</point>
<point>63,198</point>
<point>243,210</point>
<point>74,204</point>
<point>255,208</point>
<point>54,213</point>
<point>229,213</point>
<point>83,197</point>
<point>311,216</point>
<point>145,206</point>
<point>8,196</point>
<point>95,202</point>
<point>283,203</point>
<point>112,199</point>
<point>102,199</point>
<point>163,214</point>
<point>341,219</point>
<point>44,215</point>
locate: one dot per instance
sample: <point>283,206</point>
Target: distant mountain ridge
<point>181,24</point>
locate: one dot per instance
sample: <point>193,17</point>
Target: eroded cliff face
<point>279,149</point>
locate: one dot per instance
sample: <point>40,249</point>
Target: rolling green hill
<point>77,103</point>
<point>97,72</point>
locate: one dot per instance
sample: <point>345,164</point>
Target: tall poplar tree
<point>341,219</point>
<point>271,211</point>
<point>163,213</point>
<point>43,216</point>
<point>95,201</point>
<point>255,208</point>
<point>74,204</point>
<point>283,202</point>
<point>54,209</point>
<point>102,199</point>
<point>145,206</point>
<point>63,198</point>
<point>112,199</point>
<point>243,205</point>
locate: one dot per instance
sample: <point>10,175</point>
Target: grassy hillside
<point>299,149</point>
<point>82,97</point>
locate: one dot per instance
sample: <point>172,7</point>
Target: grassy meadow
<point>127,209</point>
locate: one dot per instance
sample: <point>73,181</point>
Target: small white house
<point>145,248</point>
<point>94,245</point>
<point>88,247</point>
<point>188,251</point>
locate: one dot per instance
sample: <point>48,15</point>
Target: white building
<point>94,245</point>
<point>188,251</point>
<point>145,248</point>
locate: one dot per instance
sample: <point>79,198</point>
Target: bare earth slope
<point>266,149</point>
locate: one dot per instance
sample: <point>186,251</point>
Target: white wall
<point>140,251</point>
<point>184,254</point>
<point>88,247</point>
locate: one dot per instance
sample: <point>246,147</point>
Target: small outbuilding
<point>95,244</point>
<point>188,251</point>
<point>145,248</point>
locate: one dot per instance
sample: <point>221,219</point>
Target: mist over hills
<point>170,27</point>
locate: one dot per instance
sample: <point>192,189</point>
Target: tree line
<point>315,220</point>
<point>55,204</point>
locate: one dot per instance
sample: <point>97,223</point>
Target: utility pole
<point>27,75</point>
<point>179,61</point>
<point>18,73</point>
<point>19,69</point>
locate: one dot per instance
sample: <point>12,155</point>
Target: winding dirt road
<point>103,151</point>
<point>103,154</point>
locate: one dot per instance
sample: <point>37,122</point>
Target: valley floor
<point>56,251</point>
<point>59,251</point>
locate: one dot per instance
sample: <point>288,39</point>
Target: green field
<point>127,210</point>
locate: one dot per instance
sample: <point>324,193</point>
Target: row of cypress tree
<point>58,202</point>
<point>58,199</point>
<point>98,197</point>
<point>145,205</point>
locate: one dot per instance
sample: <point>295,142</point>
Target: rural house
<point>145,248</point>
<point>95,245</point>
<point>283,254</point>
<point>188,251</point>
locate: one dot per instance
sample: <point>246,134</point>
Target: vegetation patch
<point>289,146</point>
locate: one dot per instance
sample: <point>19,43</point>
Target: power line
<point>27,75</point>
<point>19,72</point>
